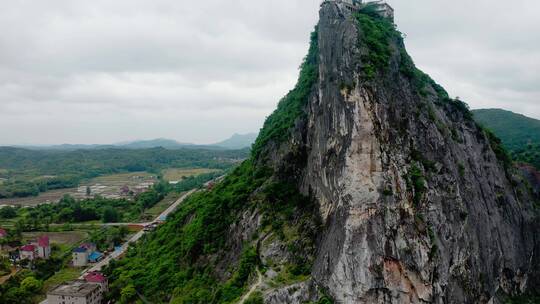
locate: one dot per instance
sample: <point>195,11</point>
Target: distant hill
<point>154,143</point>
<point>238,141</point>
<point>519,133</point>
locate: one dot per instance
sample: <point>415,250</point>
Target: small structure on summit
<point>351,6</point>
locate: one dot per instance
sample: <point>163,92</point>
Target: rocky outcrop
<point>417,205</point>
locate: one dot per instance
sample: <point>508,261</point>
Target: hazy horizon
<point>101,72</point>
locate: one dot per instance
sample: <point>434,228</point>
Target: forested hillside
<point>520,134</point>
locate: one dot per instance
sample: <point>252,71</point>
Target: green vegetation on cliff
<point>290,108</point>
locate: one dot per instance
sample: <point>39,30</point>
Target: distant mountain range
<point>236,141</point>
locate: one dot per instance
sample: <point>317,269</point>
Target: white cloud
<point>105,71</point>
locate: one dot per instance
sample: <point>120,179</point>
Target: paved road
<point>137,236</point>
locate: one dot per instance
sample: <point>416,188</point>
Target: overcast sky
<point>103,71</point>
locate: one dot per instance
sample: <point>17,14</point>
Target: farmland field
<point>52,196</point>
<point>177,174</point>
<point>108,186</point>
<point>61,238</point>
<point>153,212</point>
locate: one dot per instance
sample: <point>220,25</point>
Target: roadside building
<point>97,278</point>
<point>76,292</point>
<point>27,252</point>
<point>90,247</point>
<point>3,233</point>
<point>80,257</point>
<point>43,248</point>
<point>95,257</point>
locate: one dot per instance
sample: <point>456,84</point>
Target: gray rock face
<point>370,150</point>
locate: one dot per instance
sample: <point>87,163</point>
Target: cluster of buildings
<point>89,290</point>
<point>39,249</point>
<point>383,8</point>
<point>86,253</point>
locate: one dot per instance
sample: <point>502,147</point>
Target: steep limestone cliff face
<point>417,207</point>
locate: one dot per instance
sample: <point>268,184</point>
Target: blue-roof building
<point>95,257</point>
<point>80,257</point>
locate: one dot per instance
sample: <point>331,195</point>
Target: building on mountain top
<point>351,6</point>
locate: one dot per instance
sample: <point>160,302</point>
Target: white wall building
<point>80,257</point>
<point>76,292</point>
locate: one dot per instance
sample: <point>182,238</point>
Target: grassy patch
<point>161,206</point>
<point>177,174</point>
<point>377,32</point>
<point>66,274</point>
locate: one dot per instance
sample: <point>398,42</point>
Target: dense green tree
<point>31,285</point>
<point>110,215</point>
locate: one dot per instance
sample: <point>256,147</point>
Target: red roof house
<point>43,241</point>
<point>28,248</point>
<point>95,277</point>
<point>28,252</point>
<point>43,247</point>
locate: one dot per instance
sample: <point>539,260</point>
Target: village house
<point>36,249</point>
<point>97,278</point>
<point>86,253</point>
<point>3,236</point>
<point>3,233</point>
<point>27,252</point>
<point>87,291</point>
<point>80,257</point>
<point>43,247</point>
<point>75,292</point>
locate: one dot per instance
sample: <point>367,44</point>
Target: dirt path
<point>253,288</point>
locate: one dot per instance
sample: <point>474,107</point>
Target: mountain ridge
<point>236,141</point>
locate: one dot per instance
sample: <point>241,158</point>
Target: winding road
<point>117,253</point>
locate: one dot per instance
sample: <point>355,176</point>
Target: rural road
<point>117,253</point>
